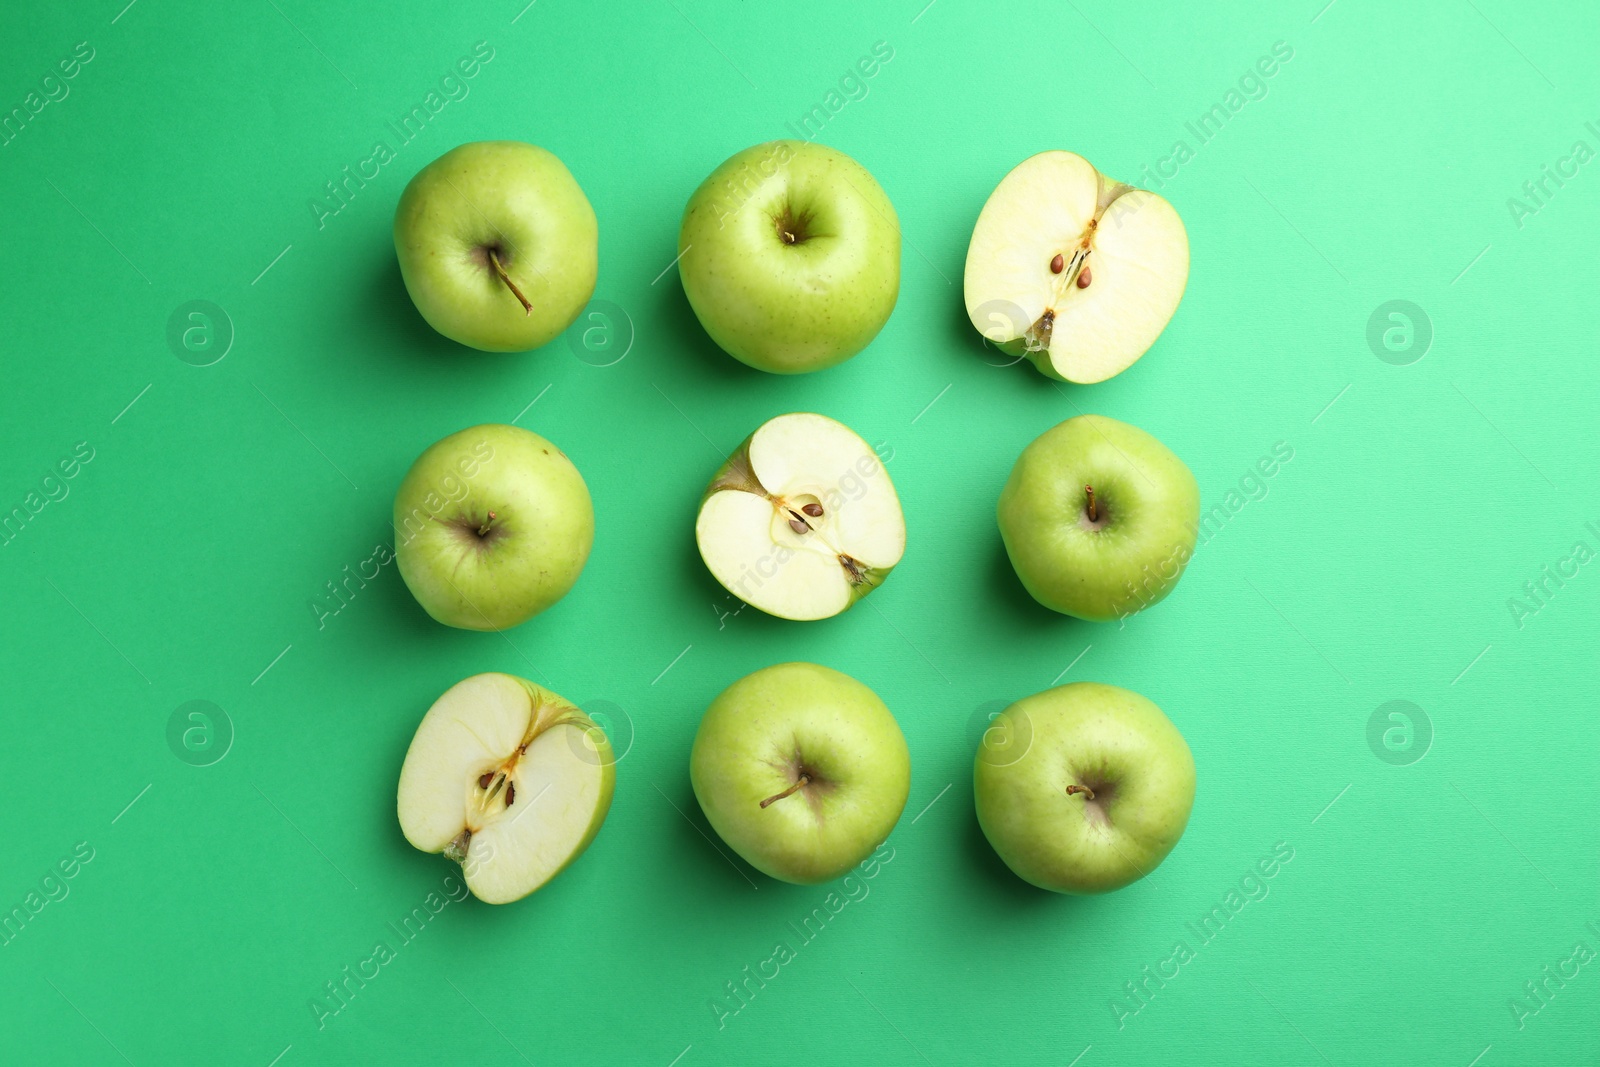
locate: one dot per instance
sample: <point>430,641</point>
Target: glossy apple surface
<point>1083,788</point>
<point>486,222</point>
<point>492,526</point>
<point>790,256</point>
<point>801,769</point>
<point>1099,518</point>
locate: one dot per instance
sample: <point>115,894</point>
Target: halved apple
<point>802,521</point>
<point>1076,271</point>
<point>507,779</point>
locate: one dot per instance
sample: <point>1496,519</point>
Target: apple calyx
<point>799,783</point>
<point>456,850</point>
<point>494,261</point>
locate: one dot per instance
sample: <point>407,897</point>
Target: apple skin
<point>536,546</point>
<point>519,200</point>
<point>744,752</point>
<point>781,307</point>
<point>1149,515</point>
<point>1110,739</point>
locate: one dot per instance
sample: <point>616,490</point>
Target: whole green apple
<point>1090,791</point>
<point>801,769</point>
<point>492,526</point>
<point>498,246</point>
<point>1099,518</point>
<point>790,256</point>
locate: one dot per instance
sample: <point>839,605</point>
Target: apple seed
<point>511,793</point>
<point>1083,277</point>
<point>798,526</point>
<point>1057,263</point>
<point>484,779</point>
<point>814,510</point>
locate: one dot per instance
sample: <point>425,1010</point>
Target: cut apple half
<point>507,779</point>
<point>802,521</point>
<point>1076,271</point>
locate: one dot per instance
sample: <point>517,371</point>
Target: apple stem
<point>494,258</point>
<point>1094,512</point>
<point>483,530</point>
<point>1088,794</point>
<point>803,780</point>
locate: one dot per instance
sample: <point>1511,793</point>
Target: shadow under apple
<point>671,308</point>
<point>724,871</point>
<point>1019,604</point>
<point>394,321</point>
<point>990,870</point>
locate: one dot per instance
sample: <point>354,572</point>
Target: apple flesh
<point>509,780</point>
<point>1099,518</point>
<point>492,526</point>
<point>790,256</point>
<point>1098,796</point>
<point>1076,271</point>
<point>498,246</point>
<point>802,521</point>
<point>802,770</point>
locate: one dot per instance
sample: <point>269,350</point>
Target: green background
<point>182,564</point>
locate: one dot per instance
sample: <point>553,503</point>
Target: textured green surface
<point>1408,903</point>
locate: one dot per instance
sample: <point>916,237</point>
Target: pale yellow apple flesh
<point>1076,271</point>
<point>507,779</point>
<point>802,521</point>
